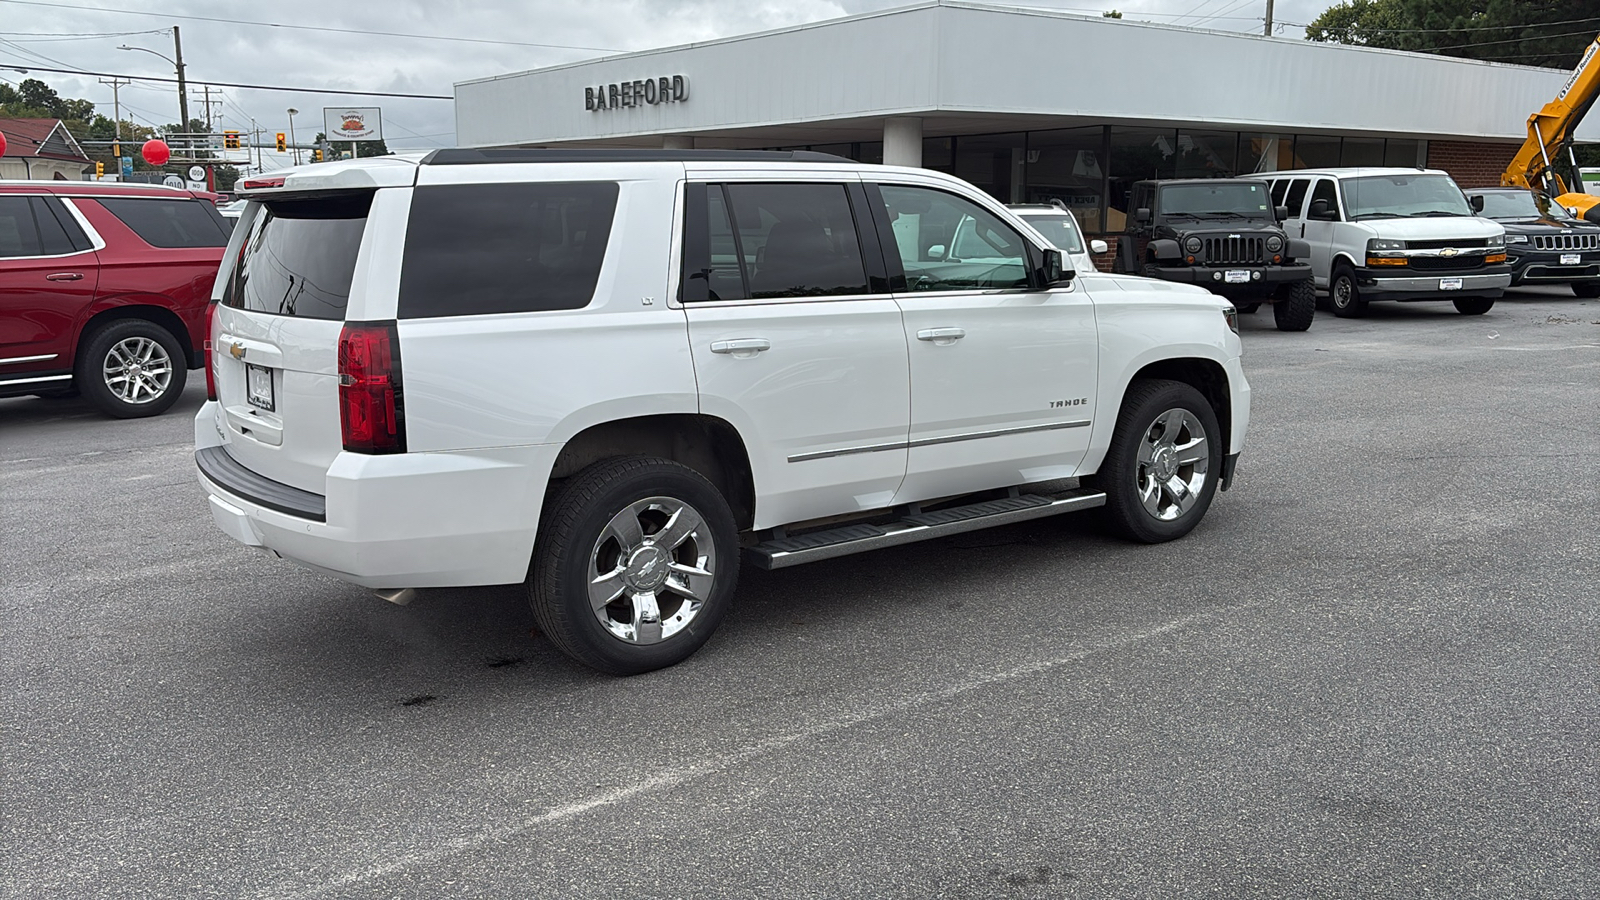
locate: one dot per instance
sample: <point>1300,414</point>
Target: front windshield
<point>1059,230</point>
<point>1387,196</point>
<point>1516,205</point>
<point>1220,199</point>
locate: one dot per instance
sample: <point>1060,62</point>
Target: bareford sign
<point>648,92</point>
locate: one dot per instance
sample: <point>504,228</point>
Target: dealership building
<point>1031,105</point>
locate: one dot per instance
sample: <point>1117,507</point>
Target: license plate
<point>259,382</point>
<point>1572,259</point>
<point>1449,284</point>
<point>1236,276</point>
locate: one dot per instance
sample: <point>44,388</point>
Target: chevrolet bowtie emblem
<point>1449,251</point>
<point>237,350</point>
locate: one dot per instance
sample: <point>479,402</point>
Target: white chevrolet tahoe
<point>612,374</point>
<point>1393,234</point>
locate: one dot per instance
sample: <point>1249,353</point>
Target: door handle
<point>64,276</point>
<point>741,347</point>
<point>941,336</point>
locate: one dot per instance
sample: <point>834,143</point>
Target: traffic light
<point>316,155</point>
<point>230,140</point>
<point>99,169</point>
<point>283,143</point>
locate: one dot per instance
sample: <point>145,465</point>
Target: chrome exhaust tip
<point>398,596</point>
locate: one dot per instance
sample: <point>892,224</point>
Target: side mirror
<point>1321,210</point>
<point>1099,246</point>
<point>1282,212</point>
<point>1054,273</point>
<point>1477,203</point>
<point>936,251</point>
<point>1142,216</point>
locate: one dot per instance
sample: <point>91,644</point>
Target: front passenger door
<point>1003,372</point>
<point>1319,232</point>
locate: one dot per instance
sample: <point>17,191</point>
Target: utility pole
<point>255,138</point>
<point>208,109</point>
<point>116,106</point>
<point>183,91</point>
<point>1268,30</point>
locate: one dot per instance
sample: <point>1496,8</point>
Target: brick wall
<point>1470,163</point>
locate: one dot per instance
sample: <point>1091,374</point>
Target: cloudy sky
<point>421,47</point>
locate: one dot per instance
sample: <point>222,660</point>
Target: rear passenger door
<point>48,272</point>
<point>797,343</point>
<point>1003,371</point>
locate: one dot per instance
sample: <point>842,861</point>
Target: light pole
<point>292,112</point>
<point>177,64</point>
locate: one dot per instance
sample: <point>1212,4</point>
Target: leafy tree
<point>1111,14</point>
<point>1549,33</point>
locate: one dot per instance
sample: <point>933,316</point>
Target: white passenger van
<point>1393,234</point>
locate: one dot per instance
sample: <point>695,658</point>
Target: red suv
<point>104,289</point>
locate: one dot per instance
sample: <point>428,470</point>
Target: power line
<point>400,34</point>
<point>233,84</point>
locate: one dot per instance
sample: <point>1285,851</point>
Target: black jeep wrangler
<point>1221,234</point>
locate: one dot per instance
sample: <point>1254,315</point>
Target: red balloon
<point>2,143</point>
<point>155,152</point>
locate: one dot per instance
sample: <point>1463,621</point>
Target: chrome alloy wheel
<point>651,570</point>
<point>1173,458</point>
<point>137,369</point>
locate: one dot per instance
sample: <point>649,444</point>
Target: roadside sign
<point>196,173</point>
<point>172,181</point>
<point>352,123</point>
<point>127,167</point>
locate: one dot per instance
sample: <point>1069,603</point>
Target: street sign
<point>172,181</point>
<point>197,174</point>
<point>127,167</point>
<point>352,123</point>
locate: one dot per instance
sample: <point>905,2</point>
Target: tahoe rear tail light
<point>371,407</point>
<point>211,374</point>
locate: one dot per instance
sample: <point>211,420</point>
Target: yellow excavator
<point>1550,135</point>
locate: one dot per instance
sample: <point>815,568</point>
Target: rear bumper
<point>452,519</point>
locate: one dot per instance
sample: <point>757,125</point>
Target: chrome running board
<point>783,552</point>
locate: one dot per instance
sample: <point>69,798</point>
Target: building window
<point>1312,151</point>
<point>1265,152</point>
<point>1362,152</point>
<point>1207,154</point>
<point>1066,165</point>
<point>1402,152</point>
<point>939,154</point>
<point>993,162</point>
<point>1136,154</point>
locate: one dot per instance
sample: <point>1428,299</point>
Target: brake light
<point>371,401</point>
<point>251,184</point>
<point>211,375</point>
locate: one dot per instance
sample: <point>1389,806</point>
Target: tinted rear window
<point>171,223</point>
<point>299,257</point>
<point>504,248</point>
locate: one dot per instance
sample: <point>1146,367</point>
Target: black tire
<point>1295,307</point>
<point>1474,306</point>
<point>1588,290</point>
<point>1122,475</point>
<point>575,540</point>
<point>142,388</point>
<point>1247,308</point>
<point>1344,297</point>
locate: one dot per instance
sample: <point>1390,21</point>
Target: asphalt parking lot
<point>1372,672</point>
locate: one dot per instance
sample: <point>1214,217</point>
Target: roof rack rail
<point>460,157</point>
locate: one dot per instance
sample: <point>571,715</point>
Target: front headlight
<point>1515,239</point>
<point>1274,244</point>
<point>1378,246</point>
<point>1498,240</point>
<point>1193,245</point>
